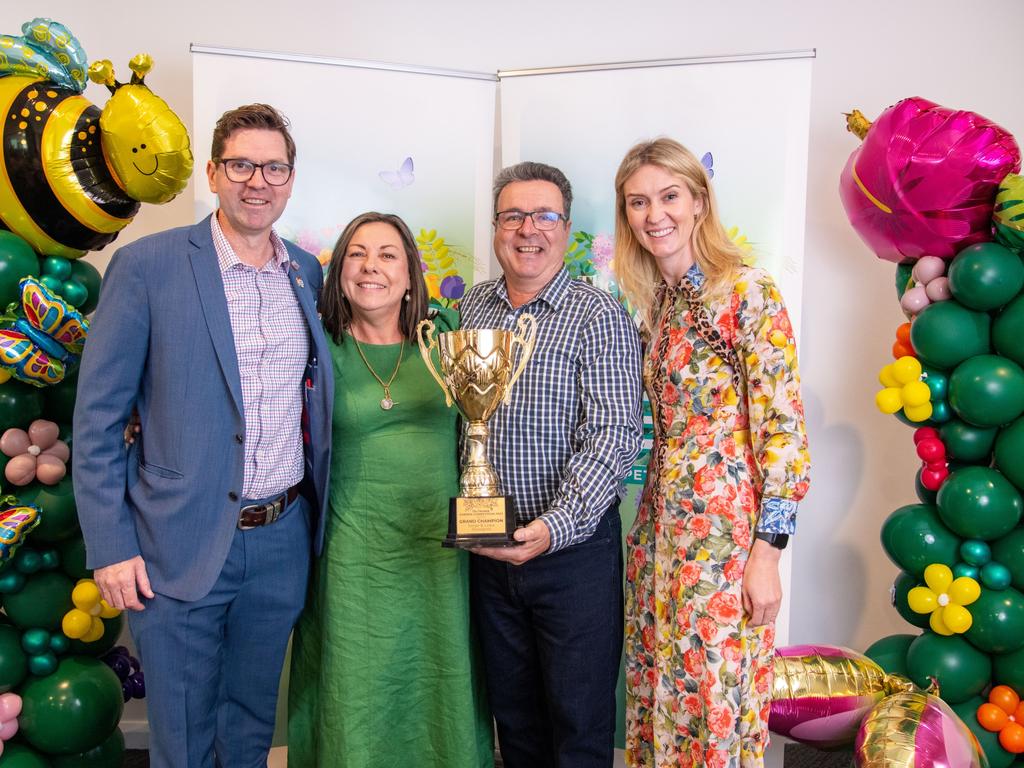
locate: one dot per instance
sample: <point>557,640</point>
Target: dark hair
<point>261,117</point>
<point>335,310</point>
<point>529,171</point>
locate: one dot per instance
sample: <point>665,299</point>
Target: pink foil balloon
<point>915,730</point>
<point>924,180</point>
<point>821,693</point>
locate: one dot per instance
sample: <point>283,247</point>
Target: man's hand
<point>121,583</point>
<point>762,587</point>
<point>535,538</point>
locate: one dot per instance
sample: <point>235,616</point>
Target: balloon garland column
<point>935,191</point>
<point>72,176</point>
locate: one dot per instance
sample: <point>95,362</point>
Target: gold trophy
<point>478,369</point>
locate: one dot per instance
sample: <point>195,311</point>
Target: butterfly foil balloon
<point>16,522</point>
<point>42,346</point>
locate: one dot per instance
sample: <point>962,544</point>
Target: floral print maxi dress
<point>698,678</point>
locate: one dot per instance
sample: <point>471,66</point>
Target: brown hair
<point>335,310</point>
<point>716,255</point>
<point>261,117</point>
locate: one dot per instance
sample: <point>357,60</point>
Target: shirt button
<point>239,438</point>
<point>232,496</point>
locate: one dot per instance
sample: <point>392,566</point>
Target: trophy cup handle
<point>425,330</point>
<point>524,337</point>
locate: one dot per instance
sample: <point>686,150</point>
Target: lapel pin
<point>295,265</point>
<point>298,281</point>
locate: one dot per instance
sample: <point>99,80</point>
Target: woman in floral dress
<point>728,467</point>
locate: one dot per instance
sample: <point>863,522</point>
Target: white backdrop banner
<point>417,142</point>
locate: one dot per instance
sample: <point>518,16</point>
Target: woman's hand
<point>762,587</point>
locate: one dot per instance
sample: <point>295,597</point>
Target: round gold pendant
<point>387,403</point>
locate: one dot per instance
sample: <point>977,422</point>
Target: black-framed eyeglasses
<point>542,220</point>
<point>240,170</point>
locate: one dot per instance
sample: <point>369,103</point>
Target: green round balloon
<point>72,558</point>
<point>901,585</point>
<point>17,260</point>
<point>975,551</point>
<point>13,661</point>
<point>59,520</point>
<point>961,669</point>
<point>73,710</point>
<point>56,267</point>
<point>1009,452</point>
<point>74,292</point>
<point>979,503</point>
<point>987,390</point>
<point>109,754</point>
<point>904,278</point>
<point>20,756</point>
<point>35,641</point>
<point>1008,330</point>
<point>914,537</point>
<point>1008,669</point>
<point>112,629</point>
<point>1009,551</point>
<point>996,576</point>
<point>59,399</point>
<point>985,276</point>
<point>20,404</point>
<point>989,740</point>
<point>998,621</point>
<point>88,276</point>
<point>924,495</point>
<point>42,602</point>
<point>890,653</point>
<point>966,442</point>
<point>945,333</point>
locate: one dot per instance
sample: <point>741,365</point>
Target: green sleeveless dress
<point>384,664</point>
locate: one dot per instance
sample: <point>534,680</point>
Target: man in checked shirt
<point>204,527</point>
<point>549,611</point>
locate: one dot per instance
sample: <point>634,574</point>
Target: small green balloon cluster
<point>972,344</point>
<point>25,562</point>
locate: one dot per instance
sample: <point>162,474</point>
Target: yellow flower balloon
<point>922,600</point>
<point>944,598</point>
<point>938,576</point>
<point>906,369</point>
<point>888,400</point>
<point>957,618</point>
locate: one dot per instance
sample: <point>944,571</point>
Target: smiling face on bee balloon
<point>144,142</point>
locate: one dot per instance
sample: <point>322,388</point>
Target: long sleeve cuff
<point>778,515</point>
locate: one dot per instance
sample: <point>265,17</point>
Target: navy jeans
<point>551,634</point>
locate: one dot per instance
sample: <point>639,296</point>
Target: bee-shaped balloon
<point>71,176</point>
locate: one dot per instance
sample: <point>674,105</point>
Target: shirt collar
<point>227,258</point>
<point>553,294</point>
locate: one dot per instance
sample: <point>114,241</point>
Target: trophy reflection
<point>478,369</point>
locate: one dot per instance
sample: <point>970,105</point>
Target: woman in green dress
<point>384,662</point>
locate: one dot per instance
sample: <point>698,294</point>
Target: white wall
<point>870,54</point>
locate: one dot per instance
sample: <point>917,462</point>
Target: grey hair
<point>530,171</point>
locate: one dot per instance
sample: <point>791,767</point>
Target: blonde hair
<point>716,255</point>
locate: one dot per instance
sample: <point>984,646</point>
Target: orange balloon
<point>991,717</point>
<point>1012,738</point>
<point>1018,714</point>
<point>903,333</point>
<point>1004,697</point>
<point>899,349</point>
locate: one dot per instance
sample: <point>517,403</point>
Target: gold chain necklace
<point>386,402</point>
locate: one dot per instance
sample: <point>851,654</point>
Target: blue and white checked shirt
<point>563,446</point>
<point>272,344</point>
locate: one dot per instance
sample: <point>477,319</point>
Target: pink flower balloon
<point>924,180</point>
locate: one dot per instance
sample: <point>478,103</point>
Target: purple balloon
<point>927,268</point>
<point>914,300</point>
<point>138,684</point>
<point>938,289</point>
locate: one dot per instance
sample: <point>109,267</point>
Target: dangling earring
<point>406,295</point>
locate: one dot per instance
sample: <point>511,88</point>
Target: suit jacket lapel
<point>215,306</point>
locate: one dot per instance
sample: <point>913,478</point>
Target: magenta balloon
<point>927,268</point>
<point>924,180</point>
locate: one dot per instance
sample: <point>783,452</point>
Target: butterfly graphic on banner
<point>401,178</point>
<point>41,347</point>
<point>708,162</point>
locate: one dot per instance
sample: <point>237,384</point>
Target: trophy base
<point>486,521</point>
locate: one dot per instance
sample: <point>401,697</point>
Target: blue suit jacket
<point>161,342</point>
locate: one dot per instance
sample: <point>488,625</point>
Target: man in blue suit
<point>204,527</point>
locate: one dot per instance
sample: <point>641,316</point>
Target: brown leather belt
<point>255,515</point>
